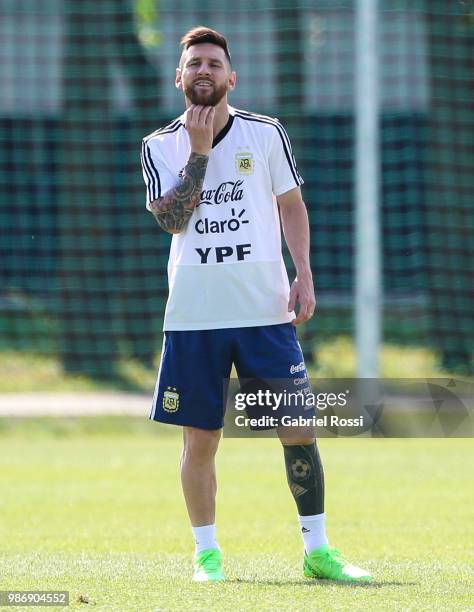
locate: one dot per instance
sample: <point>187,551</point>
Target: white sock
<point>313,530</point>
<point>205,537</point>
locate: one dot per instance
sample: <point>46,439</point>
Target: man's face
<point>205,75</point>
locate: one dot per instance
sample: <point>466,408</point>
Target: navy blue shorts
<point>194,365</point>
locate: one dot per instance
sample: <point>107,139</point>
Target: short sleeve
<point>158,178</point>
<point>283,170</point>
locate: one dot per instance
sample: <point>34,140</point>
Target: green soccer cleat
<point>208,566</point>
<point>327,562</point>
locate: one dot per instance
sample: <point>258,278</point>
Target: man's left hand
<point>302,292</point>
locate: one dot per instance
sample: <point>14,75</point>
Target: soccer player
<point>210,179</point>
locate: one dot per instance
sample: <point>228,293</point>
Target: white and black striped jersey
<point>226,268</point>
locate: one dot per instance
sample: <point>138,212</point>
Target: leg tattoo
<point>305,476</point>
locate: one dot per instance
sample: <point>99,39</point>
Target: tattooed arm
<point>173,210</point>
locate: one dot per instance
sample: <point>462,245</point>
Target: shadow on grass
<point>376,584</point>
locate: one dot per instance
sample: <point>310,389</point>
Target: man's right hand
<point>199,125</point>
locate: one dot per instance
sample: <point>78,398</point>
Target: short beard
<point>211,98</point>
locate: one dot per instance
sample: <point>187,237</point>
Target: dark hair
<point>201,34</point>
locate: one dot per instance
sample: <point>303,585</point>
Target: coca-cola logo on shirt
<point>229,191</point>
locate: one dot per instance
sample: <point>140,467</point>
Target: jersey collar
<point>224,131</point>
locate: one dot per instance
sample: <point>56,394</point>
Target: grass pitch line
<point>74,404</point>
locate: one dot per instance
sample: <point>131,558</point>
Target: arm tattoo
<point>173,210</point>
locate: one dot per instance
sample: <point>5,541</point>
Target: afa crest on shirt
<point>171,399</point>
<point>244,163</point>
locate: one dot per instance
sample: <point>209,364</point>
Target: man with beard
<point>211,176</point>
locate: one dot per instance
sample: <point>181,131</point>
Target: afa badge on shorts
<point>171,399</point>
<point>244,163</point>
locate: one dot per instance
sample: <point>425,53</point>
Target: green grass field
<point>335,358</point>
<point>97,511</point>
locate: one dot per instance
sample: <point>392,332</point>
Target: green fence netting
<point>83,264</point>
